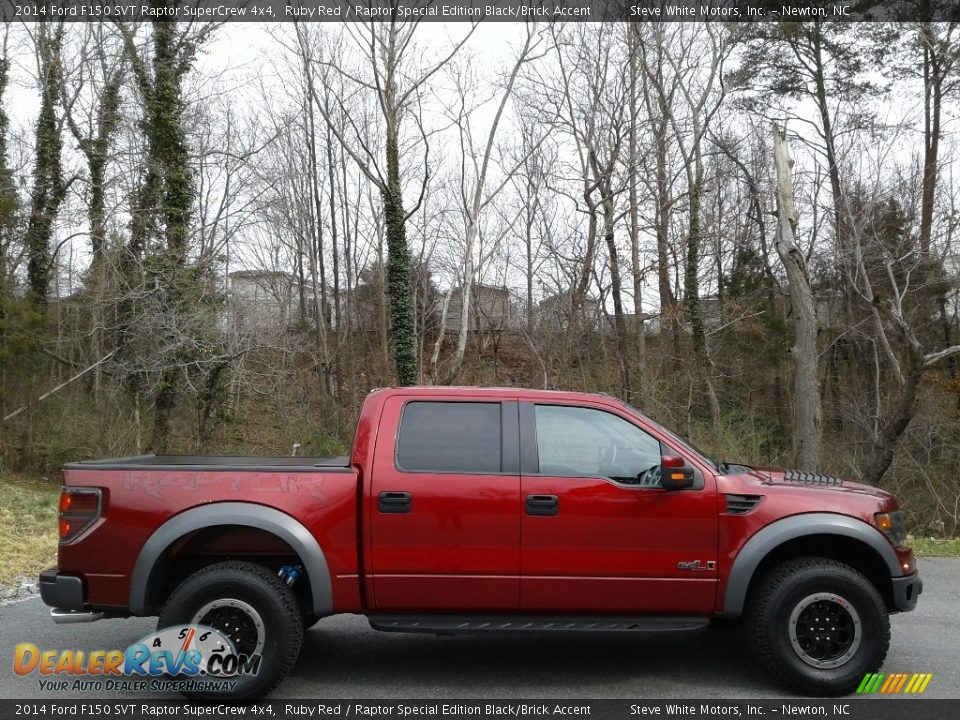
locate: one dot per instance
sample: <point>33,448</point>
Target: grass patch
<point>933,547</point>
<point>28,526</point>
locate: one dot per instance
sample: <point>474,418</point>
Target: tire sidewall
<point>868,656</point>
<point>279,632</point>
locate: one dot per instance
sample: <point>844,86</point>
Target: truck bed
<point>280,463</point>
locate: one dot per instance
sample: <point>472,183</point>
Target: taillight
<point>79,508</point>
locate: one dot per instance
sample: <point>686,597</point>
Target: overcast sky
<point>243,58</point>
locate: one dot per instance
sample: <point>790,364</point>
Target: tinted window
<point>573,441</point>
<point>450,437</point>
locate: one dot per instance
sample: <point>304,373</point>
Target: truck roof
<point>501,392</point>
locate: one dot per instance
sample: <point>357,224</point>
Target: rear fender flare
<point>772,536</point>
<point>285,527</point>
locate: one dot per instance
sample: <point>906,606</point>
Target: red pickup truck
<point>470,510</point>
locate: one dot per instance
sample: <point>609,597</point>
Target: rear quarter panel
<point>138,501</point>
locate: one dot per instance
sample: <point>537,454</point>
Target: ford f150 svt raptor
<point>469,510</point>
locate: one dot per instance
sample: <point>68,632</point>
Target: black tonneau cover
<point>280,463</point>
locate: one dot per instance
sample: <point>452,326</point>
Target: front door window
<point>578,442</point>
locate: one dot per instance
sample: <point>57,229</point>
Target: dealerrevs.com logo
<point>188,657</point>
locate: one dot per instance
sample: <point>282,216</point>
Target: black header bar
<point>482,10</point>
<point>879,708</point>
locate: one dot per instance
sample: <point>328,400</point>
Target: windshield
<point>686,445</point>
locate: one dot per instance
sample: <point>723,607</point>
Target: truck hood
<point>817,481</point>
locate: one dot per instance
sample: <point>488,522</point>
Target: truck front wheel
<point>255,611</point>
<point>819,626</point>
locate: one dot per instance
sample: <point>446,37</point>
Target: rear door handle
<point>394,502</point>
<point>543,505</point>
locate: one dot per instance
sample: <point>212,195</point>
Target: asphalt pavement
<point>343,657</point>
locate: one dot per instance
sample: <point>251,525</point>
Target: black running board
<point>479,624</point>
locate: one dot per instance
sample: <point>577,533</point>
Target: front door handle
<point>394,502</point>
<point>543,505</point>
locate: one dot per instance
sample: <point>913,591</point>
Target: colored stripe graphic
<point>894,683</point>
<point>888,683</point>
<point>901,682</point>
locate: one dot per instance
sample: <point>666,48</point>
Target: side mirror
<point>675,474</point>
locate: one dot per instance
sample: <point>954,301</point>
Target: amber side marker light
<point>79,508</point>
<point>891,524</point>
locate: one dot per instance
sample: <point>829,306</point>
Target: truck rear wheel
<point>819,626</point>
<point>250,606</point>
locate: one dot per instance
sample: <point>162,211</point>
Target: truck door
<point>444,528</point>
<point>598,533</point>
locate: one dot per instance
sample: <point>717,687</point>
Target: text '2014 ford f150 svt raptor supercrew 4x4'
<point>470,510</point>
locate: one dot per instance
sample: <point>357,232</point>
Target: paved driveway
<point>343,658</point>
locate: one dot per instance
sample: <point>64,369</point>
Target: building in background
<point>555,312</point>
<point>262,300</point>
<point>493,308</point>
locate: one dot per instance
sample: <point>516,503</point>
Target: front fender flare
<point>790,528</point>
<point>285,527</point>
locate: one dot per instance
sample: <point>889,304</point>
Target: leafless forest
<point>745,231</point>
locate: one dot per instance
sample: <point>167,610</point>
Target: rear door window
<point>455,437</point>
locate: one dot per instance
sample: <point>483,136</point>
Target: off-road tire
<point>273,601</point>
<point>782,591</point>
<point>310,619</point>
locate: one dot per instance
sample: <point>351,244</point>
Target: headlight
<point>891,525</point>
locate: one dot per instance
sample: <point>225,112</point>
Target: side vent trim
<point>741,504</point>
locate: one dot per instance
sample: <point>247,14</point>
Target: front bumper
<point>64,595</point>
<point>906,590</point>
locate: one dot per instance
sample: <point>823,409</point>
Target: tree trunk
<point>398,256</point>
<point>466,292</point>
<point>96,151</point>
<point>807,420</point>
<point>634,214</point>
<point>325,315</point>
<point>48,186</point>
<point>619,324</point>
<point>579,295</point>
<point>668,322</point>
<point>164,398</point>
<point>398,268</point>
<point>932,101</point>
<point>901,413</point>
<point>317,250</point>
<point>833,167</point>
<point>701,353</point>
<point>165,199</point>
<point>8,205</point>
<point>528,247</point>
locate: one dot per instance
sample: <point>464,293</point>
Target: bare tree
<point>49,186</point>
<point>8,189</point>
<point>161,227</point>
<point>474,196</point>
<point>633,168</point>
<point>388,49</point>
<point>699,76</point>
<point>808,423</point>
<point>660,89</point>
